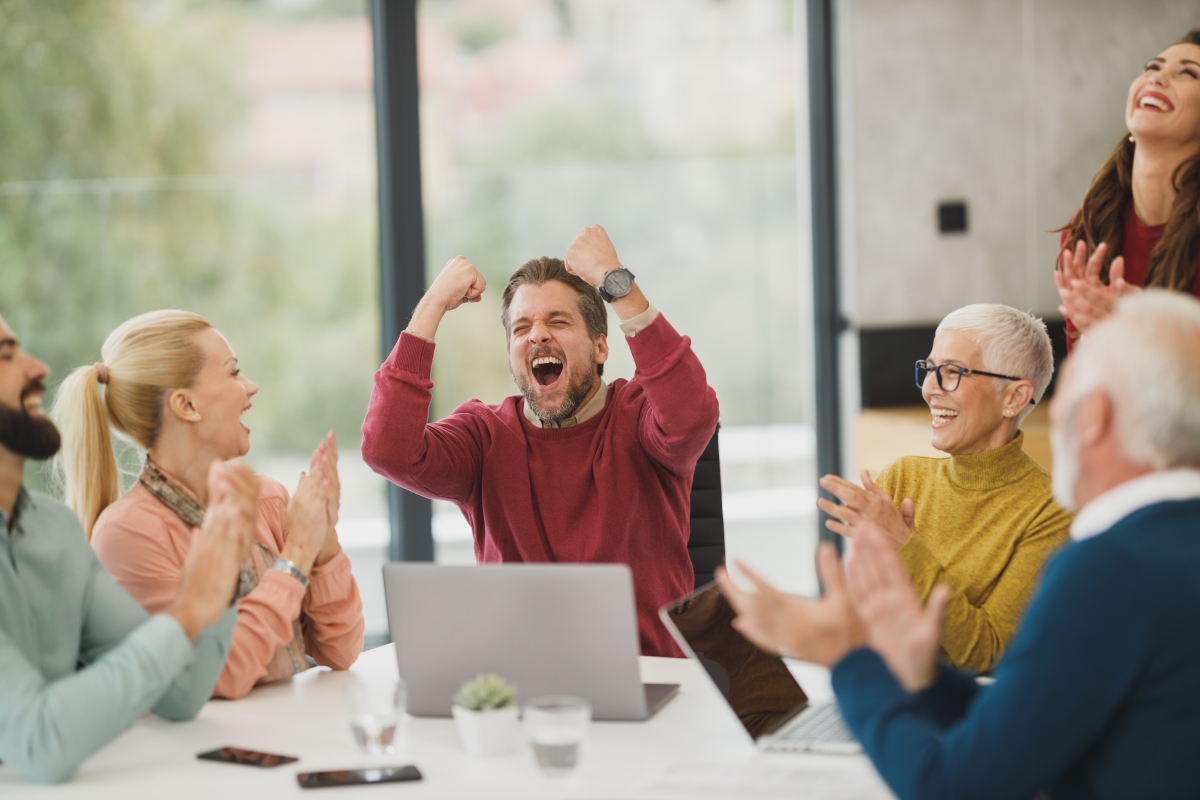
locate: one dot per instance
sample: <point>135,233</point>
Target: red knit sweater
<point>613,489</point>
<point>1139,241</point>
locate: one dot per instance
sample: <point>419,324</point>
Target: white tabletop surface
<point>305,717</point>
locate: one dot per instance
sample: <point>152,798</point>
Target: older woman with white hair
<point>984,520</point>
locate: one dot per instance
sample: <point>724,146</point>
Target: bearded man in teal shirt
<point>80,660</point>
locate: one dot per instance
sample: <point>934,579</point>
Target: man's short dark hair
<point>538,271</point>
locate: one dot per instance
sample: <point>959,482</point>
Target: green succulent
<point>486,692</point>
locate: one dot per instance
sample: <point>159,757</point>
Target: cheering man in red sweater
<point>572,469</point>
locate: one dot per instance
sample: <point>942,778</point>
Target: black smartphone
<point>356,777</point>
<point>236,755</point>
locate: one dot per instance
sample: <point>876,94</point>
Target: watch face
<point>618,282</point>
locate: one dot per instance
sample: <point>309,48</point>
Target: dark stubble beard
<point>20,433</point>
<point>579,384</point>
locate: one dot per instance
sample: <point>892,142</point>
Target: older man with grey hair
<point>984,520</point>
<point>1097,696</point>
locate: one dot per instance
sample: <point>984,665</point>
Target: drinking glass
<point>375,710</point>
<point>555,727</point>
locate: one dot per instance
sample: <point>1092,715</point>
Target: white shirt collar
<point>1120,501</point>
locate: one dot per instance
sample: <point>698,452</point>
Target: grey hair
<point>1011,342</point>
<point>1146,358</point>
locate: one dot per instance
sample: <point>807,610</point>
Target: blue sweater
<point>1098,696</point>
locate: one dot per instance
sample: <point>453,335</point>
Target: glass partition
<point>217,157</point>
<point>673,124</point>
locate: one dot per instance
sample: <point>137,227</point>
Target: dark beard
<point>25,436</point>
<point>577,390</point>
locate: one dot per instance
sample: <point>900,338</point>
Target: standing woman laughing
<point>1139,224</point>
<point>170,383</point>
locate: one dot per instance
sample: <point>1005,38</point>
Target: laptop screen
<point>757,685</point>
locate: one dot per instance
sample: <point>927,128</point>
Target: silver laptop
<point>549,629</point>
<point>758,686</point>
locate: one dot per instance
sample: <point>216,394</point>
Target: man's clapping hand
<point>210,573</point>
<point>905,634</point>
<point>821,631</point>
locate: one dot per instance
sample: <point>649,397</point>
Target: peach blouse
<point>144,544</point>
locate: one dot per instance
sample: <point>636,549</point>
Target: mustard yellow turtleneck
<point>985,524</point>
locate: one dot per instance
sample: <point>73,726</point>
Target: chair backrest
<point>706,544</point>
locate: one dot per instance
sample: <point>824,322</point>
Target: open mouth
<point>546,370</point>
<point>1155,101</point>
<point>943,416</point>
<point>245,413</point>
<point>33,404</point>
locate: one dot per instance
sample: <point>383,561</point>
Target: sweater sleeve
<point>947,699</point>
<point>1019,735</point>
<point>264,623</point>
<point>333,619</point>
<point>975,636</point>
<point>681,410</point>
<point>434,459</point>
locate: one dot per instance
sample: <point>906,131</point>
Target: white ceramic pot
<point>487,733</point>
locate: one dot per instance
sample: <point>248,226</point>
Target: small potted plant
<point>485,710</point>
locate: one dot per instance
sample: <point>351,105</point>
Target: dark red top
<point>1138,243</point>
<point>613,489</point>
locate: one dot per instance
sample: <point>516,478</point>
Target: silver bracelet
<point>288,566</point>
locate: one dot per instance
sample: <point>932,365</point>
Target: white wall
<point>1010,105</point>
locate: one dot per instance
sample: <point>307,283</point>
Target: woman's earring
<point>1132,139</point>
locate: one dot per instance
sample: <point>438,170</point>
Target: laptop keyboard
<point>823,724</point>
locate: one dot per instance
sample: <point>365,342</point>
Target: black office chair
<point>706,544</point>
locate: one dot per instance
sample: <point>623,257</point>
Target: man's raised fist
<point>459,282</point>
<point>592,255</point>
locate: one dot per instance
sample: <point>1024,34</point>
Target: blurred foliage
<point>115,200</point>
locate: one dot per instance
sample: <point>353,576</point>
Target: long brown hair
<point>1174,259</point>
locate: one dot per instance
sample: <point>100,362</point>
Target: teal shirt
<point>80,660</point>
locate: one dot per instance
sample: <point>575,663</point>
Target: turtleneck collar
<point>992,468</point>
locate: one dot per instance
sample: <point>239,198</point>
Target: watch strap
<point>608,296</point>
<point>288,566</point>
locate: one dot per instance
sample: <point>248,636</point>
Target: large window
<point>217,157</point>
<point>674,124</point>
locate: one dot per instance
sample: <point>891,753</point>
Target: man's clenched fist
<point>592,255</point>
<point>459,282</point>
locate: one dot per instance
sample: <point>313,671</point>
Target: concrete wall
<point>1010,105</point>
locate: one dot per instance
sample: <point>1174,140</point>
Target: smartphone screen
<point>236,755</point>
<point>354,777</point>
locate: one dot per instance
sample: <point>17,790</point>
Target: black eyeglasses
<point>952,376</point>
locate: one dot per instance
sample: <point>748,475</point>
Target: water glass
<point>375,709</point>
<point>555,727</point>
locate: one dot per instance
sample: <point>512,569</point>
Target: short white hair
<point>1146,358</point>
<point>1011,342</point>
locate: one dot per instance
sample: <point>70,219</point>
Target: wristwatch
<point>617,283</point>
<point>289,566</point>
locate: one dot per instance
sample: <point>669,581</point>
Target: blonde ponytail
<point>86,461</point>
<point>145,357</point>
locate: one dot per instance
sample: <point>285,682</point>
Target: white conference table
<point>305,717</point>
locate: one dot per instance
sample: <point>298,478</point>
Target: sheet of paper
<point>767,777</point>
